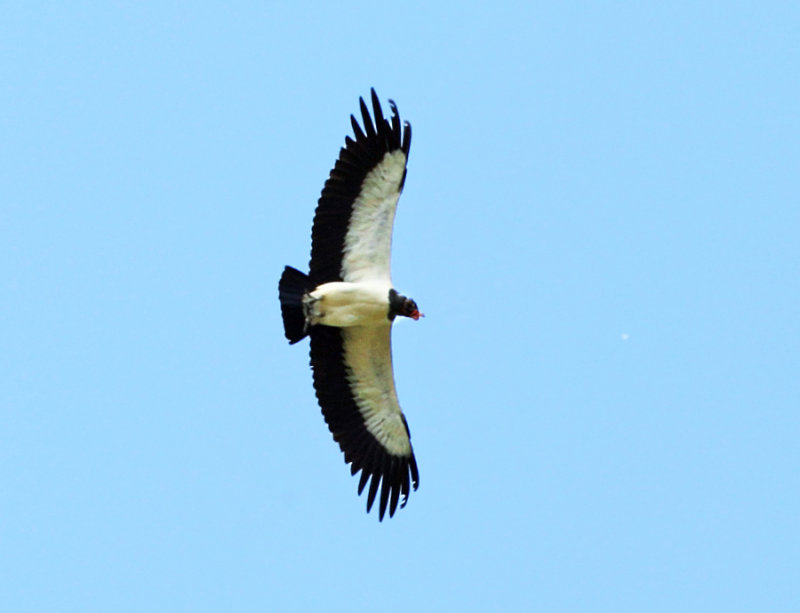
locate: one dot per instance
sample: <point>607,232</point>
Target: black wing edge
<point>392,475</point>
<point>356,159</point>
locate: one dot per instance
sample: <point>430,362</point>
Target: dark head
<point>401,305</point>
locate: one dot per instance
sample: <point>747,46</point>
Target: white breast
<point>343,304</point>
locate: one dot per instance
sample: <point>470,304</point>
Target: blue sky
<point>600,222</point>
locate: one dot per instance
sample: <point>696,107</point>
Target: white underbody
<point>344,304</point>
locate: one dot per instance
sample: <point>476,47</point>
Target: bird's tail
<point>291,289</point>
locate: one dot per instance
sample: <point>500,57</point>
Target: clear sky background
<point>601,222</point>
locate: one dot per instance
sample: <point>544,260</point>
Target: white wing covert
<point>355,388</point>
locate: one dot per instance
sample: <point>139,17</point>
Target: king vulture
<point>346,305</point>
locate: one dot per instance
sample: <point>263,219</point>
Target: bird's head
<point>402,305</point>
<point>410,309</point>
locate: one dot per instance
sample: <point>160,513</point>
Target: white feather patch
<point>368,354</point>
<point>368,243</point>
<point>344,304</point>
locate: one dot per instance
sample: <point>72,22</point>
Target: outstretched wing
<point>354,382</point>
<point>351,239</point>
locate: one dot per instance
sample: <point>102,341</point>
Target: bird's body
<point>344,304</point>
<point>347,305</point>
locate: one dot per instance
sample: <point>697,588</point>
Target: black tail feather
<point>291,288</point>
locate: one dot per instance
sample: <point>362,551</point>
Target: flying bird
<point>346,304</point>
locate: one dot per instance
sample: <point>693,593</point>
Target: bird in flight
<point>346,304</point>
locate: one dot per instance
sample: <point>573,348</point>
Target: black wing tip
<point>390,477</point>
<point>406,140</point>
<point>394,133</point>
<point>369,128</point>
<point>376,107</point>
<point>357,131</point>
